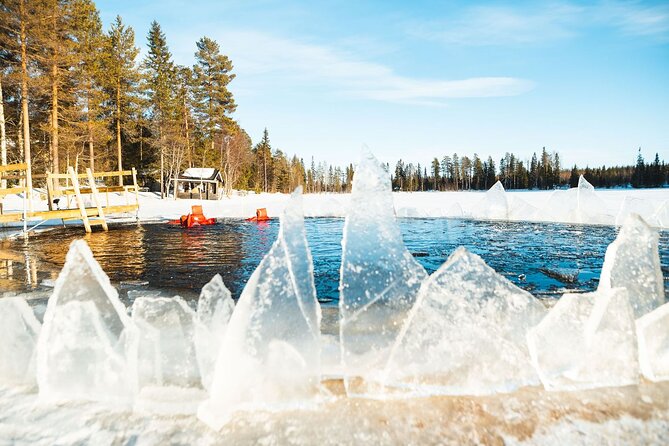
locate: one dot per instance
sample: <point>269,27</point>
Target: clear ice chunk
<point>466,333</point>
<point>590,207</point>
<point>652,330</point>
<point>166,355</point>
<point>579,205</point>
<point>215,306</point>
<point>454,211</point>
<point>586,341</point>
<point>379,277</point>
<point>83,356</point>
<point>214,309</point>
<point>19,330</point>
<point>521,210</point>
<point>662,215</point>
<point>494,206</point>
<point>632,261</point>
<point>87,345</point>
<point>271,350</point>
<point>634,205</point>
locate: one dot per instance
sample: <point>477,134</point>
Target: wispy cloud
<point>496,25</point>
<point>278,61</point>
<point>636,18</point>
<point>544,22</point>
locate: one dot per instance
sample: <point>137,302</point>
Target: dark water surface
<point>545,259</point>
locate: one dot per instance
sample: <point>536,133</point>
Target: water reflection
<point>19,268</point>
<point>180,261</point>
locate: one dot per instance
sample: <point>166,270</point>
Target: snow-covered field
<point>578,205</point>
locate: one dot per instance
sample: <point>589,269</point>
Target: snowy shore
<point>582,205</point>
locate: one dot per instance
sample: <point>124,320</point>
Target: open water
<point>546,259</point>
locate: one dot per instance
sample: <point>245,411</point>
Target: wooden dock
<point>71,196</point>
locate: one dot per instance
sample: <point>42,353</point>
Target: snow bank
<point>583,204</point>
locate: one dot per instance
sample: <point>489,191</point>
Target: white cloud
<point>636,18</point>
<point>260,57</point>
<point>512,25</point>
<point>495,25</point>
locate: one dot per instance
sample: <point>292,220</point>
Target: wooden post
<point>49,190</point>
<point>96,198</point>
<point>134,183</point>
<point>80,201</point>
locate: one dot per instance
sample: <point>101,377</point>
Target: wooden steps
<point>89,216</point>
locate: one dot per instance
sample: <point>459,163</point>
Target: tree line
<point>453,172</point>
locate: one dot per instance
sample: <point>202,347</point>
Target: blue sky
<point>419,79</point>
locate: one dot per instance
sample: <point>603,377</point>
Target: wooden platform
<point>63,193</point>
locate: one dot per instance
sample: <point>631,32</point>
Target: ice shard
<point>634,205</point>
<point>494,206</point>
<point>466,333</point>
<point>586,341</point>
<point>379,277</point>
<point>521,210</point>
<point>271,350</point>
<point>87,346</point>
<point>652,332</point>
<point>632,261</point>
<point>215,306</point>
<point>167,363</point>
<point>166,354</point>
<point>589,205</point>
<point>662,215</point>
<point>214,309</point>
<point>578,205</point>
<point>19,329</point>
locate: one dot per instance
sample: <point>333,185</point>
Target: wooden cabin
<point>198,183</point>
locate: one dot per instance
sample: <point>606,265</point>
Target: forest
<point>75,94</point>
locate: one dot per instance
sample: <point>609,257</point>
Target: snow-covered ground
<point>578,205</point>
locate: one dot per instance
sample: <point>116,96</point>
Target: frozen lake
<point>546,259</point>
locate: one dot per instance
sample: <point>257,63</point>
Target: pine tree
<point>490,177</point>
<point>656,177</point>
<point>446,171</point>
<point>400,176</point>
<point>263,162</point>
<point>121,81</point>
<point>89,77</point>
<point>160,78</point>
<point>477,175</point>
<point>455,171</point>
<point>213,100</point>
<point>18,18</point>
<point>573,177</point>
<point>534,172</point>
<point>57,41</point>
<point>435,173</point>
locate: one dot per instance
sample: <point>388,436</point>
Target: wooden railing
<point>73,188</point>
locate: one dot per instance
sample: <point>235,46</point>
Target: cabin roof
<point>201,174</point>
